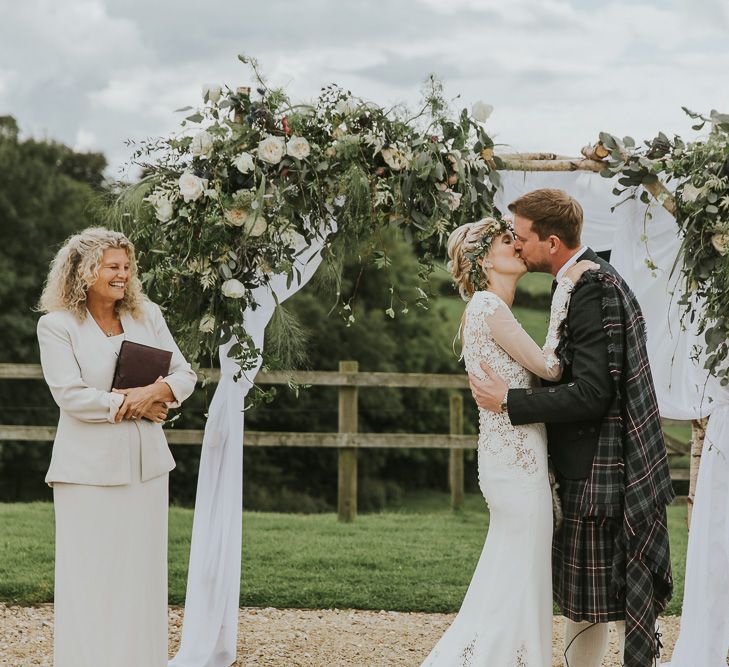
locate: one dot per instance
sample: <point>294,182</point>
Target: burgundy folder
<point>139,365</point>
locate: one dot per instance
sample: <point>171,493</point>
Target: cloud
<point>97,72</point>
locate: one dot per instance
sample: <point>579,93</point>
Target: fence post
<point>455,460</point>
<point>347,488</point>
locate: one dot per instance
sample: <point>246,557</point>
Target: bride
<point>506,616</point>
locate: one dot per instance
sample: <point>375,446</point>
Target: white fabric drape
<point>704,636</point>
<point>210,626</point>
<point>683,387</point>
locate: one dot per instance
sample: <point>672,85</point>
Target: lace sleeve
<point>519,345</point>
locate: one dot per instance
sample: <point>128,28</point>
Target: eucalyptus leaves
<point>227,200</point>
<point>700,170</point>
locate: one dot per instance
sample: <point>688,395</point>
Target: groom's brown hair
<point>553,213</point>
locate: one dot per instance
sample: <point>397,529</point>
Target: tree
<point>47,192</point>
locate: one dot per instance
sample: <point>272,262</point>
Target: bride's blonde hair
<point>466,245</point>
<point>76,267</point>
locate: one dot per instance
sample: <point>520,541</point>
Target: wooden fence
<point>347,439</point>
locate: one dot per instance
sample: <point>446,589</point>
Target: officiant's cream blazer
<point>78,363</point>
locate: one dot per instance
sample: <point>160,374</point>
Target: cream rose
<point>207,324</point>
<point>213,92</point>
<point>720,241</point>
<point>202,144</point>
<point>298,147</point>
<point>344,107</point>
<point>236,216</point>
<point>271,150</point>
<point>244,163</point>
<point>394,159</point>
<point>481,111</point>
<point>690,193</point>
<point>255,225</point>
<point>454,199</point>
<point>233,289</point>
<point>191,186</point>
<point>163,209</point>
<point>290,238</point>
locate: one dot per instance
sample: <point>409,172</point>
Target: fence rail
<point>347,440</point>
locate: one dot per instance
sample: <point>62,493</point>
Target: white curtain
<point>210,625</point>
<point>683,387</point>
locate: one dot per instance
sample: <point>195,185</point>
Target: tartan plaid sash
<point>630,481</point>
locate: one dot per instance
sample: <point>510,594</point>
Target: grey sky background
<point>92,73</point>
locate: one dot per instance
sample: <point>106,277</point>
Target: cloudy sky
<point>93,73</point>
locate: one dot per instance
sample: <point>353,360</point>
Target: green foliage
<point>701,171</point>
<point>233,205</point>
<point>424,556</point>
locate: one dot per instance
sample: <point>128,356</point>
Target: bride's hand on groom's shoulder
<point>574,273</point>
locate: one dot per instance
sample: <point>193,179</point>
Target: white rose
<point>271,150</point>
<point>163,209</point>
<point>191,187</point>
<point>340,131</point>
<point>690,193</point>
<point>454,200</point>
<point>213,92</point>
<point>298,147</point>
<point>202,144</point>
<point>244,163</point>
<point>394,158</point>
<point>344,107</point>
<point>255,226</point>
<point>481,111</point>
<point>720,241</point>
<point>233,289</point>
<point>236,216</point>
<point>290,238</point>
<point>207,324</point>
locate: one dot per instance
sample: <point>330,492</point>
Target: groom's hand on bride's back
<point>489,392</point>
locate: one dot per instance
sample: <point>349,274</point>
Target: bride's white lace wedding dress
<point>506,617</point>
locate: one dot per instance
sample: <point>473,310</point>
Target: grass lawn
<point>419,557</point>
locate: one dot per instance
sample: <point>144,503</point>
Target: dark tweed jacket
<point>630,480</point>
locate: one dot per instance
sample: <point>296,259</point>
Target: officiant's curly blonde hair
<point>76,267</point>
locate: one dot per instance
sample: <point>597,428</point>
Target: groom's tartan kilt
<point>583,554</point>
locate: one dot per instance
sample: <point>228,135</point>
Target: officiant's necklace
<point>109,331</point>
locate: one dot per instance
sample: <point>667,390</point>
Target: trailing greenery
<point>235,202</point>
<point>700,170</point>
<point>423,555</point>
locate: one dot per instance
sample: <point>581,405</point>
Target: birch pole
<point>554,162</point>
<point>698,431</point>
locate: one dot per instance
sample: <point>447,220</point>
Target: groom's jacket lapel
<point>573,408</point>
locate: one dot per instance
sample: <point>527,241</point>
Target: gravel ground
<point>291,637</point>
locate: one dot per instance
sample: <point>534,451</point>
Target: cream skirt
<point>111,573</point>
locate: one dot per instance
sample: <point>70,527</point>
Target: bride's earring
<point>488,265</point>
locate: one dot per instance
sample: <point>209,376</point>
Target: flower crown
<point>476,275</point>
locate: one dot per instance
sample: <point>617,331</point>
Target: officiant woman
<point>110,462</point>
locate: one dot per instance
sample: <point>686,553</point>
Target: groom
<point>610,558</point>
